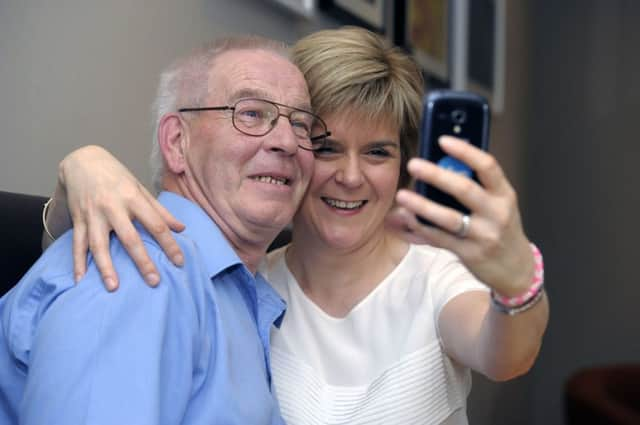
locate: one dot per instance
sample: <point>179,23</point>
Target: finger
<point>399,220</point>
<point>440,238</point>
<point>132,243</point>
<point>443,217</point>
<point>462,188</point>
<point>496,200</point>
<point>404,223</point>
<point>414,232</point>
<point>155,221</point>
<point>99,247</point>
<point>80,250</point>
<point>489,172</point>
<point>173,223</point>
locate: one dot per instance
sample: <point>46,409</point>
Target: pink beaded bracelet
<point>523,302</point>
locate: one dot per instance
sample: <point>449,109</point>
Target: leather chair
<point>20,234</point>
<point>604,395</point>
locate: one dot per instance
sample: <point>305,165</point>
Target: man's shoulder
<point>194,258</point>
<point>189,277</point>
<point>50,281</point>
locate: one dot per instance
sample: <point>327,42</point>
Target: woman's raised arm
<point>501,337</point>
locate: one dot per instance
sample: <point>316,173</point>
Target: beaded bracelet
<point>45,210</point>
<point>523,302</point>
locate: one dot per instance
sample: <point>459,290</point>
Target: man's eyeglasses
<point>257,117</point>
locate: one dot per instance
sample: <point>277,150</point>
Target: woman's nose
<point>350,172</point>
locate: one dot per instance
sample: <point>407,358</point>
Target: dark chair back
<point>20,235</point>
<point>607,395</point>
<point>282,239</point>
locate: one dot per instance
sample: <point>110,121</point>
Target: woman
<point>385,316</point>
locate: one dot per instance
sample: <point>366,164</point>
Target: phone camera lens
<point>458,116</point>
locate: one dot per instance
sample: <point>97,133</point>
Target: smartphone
<point>459,114</point>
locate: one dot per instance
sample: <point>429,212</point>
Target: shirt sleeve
<point>449,279</point>
<point>114,358</point>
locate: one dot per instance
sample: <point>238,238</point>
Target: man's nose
<point>282,138</point>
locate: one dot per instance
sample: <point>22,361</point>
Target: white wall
<point>74,72</point>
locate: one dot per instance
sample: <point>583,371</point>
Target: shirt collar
<point>218,254</point>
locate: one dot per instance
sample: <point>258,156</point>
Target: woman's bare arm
<point>96,194</point>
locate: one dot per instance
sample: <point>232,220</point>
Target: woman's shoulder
<point>273,260</point>
<point>428,258</point>
<point>274,269</point>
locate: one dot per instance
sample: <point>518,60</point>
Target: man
<point>231,121</point>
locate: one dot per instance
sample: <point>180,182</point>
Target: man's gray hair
<point>185,83</point>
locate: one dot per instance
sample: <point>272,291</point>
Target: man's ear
<point>171,135</point>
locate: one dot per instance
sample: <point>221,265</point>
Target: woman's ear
<point>171,135</point>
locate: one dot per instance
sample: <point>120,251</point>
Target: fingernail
<point>110,284</point>
<point>152,278</point>
<point>178,259</point>
<point>77,277</point>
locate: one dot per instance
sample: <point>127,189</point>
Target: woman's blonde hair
<point>354,69</point>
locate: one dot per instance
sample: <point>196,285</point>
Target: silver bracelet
<point>45,210</point>
<point>512,311</point>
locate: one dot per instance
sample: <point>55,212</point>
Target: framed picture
<point>306,8</point>
<point>485,60</point>
<point>368,13</point>
<point>426,36</point>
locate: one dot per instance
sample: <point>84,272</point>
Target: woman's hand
<point>494,248</point>
<point>101,196</point>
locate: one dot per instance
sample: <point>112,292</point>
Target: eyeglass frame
<point>324,135</point>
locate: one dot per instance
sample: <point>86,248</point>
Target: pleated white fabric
<point>413,391</point>
<point>381,364</point>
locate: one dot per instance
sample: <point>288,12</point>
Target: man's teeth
<point>347,205</point>
<point>272,180</point>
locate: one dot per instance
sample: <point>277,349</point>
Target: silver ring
<point>463,230</point>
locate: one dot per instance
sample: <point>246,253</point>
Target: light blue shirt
<point>194,350</point>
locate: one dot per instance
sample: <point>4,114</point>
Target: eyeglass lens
<point>258,117</point>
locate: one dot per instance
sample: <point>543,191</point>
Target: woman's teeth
<point>345,205</point>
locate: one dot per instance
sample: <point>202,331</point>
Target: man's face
<point>251,186</point>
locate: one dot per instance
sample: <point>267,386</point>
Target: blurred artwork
<point>427,34</point>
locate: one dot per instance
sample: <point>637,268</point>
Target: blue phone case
<point>460,114</point>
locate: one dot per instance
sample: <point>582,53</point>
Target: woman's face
<point>353,184</point>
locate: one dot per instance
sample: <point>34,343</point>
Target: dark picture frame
<point>423,29</point>
<point>366,13</point>
<point>486,50</point>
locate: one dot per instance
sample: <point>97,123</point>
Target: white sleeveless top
<point>381,364</point>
